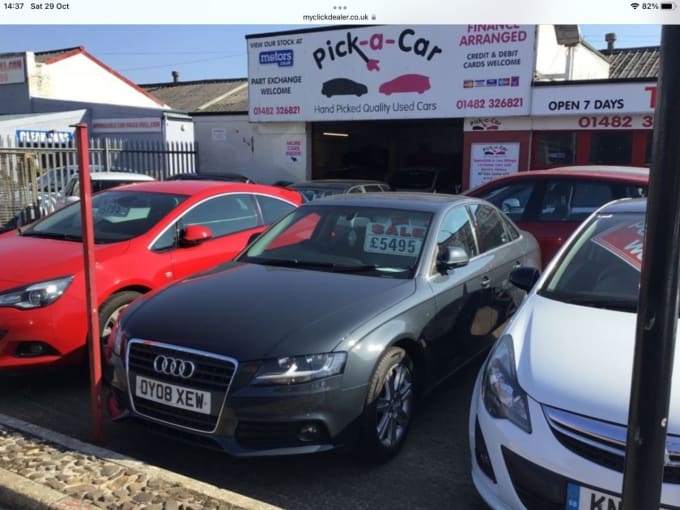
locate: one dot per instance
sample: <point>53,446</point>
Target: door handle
<point>517,264</point>
<point>485,282</point>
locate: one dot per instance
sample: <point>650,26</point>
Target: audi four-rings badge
<point>173,366</point>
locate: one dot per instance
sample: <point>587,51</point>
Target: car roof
<point>335,182</point>
<point>115,176</point>
<point>197,187</point>
<point>625,205</point>
<point>431,202</point>
<point>617,169</point>
<point>635,175</point>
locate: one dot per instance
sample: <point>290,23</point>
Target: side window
<point>512,199</point>
<point>72,188</point>
<point>167,240</point>
<point>223,215</point>
<point>372,187</point>
<point>491,232</point>
<point>556,205</point>
<point>355,189</point>
<point>633,191</point>
<point>588,196</point>
<point>456,230</point>
<point>273,208</point>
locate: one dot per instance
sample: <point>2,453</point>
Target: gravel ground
<point>111,483</point>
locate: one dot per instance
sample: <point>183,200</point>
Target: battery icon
<point>668,5</point>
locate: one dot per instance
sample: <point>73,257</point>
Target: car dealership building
<point>476,100</point>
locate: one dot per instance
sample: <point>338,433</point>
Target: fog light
<point>34,349</point>
<point>309,432</point>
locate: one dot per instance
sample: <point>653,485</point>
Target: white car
<point>99,181</point>
<point>549,411</point>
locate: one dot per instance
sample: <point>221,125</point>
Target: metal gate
<point>33,174</point>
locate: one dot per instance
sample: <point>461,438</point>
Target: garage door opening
<point>396,151</point>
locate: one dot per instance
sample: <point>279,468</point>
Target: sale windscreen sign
<point>391,72</point>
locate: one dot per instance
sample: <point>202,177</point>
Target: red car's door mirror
<point>193,235</point>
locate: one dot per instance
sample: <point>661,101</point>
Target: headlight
<point>502,395</point>
<point>300,369</point>
<point>116,339</point>
<point>36,295</point>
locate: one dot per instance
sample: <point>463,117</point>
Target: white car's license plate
<point>585,498</point>
<point>172,395</point>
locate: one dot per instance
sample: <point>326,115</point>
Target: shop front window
<point>554,149</point>
<point>611,148</point>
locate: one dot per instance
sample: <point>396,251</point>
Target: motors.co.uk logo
<point>282,58</point>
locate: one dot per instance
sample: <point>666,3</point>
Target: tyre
<point>110,310</point>
<point>389,406</point>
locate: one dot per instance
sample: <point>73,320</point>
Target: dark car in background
<point>552,203</point>
<point>430,179</point>
<point>193,176</point>
<point>326,330</point>
<point>320,188</point>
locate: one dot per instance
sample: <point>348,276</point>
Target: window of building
<point>554,149</point>
<point>611,148</point>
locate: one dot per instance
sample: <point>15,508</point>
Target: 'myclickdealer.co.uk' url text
<point>335,17</point>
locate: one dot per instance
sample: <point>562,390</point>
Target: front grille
<point>213,374</point>
<point>602,442</point>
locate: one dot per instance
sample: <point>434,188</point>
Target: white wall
<point>79,78</point>
<point>178,129</point>
<point>552,59</point>
<point>266,153</point>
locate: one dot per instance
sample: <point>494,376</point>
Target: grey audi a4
<point>325,331</point>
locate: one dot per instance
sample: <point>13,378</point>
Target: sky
<point>149,53</point>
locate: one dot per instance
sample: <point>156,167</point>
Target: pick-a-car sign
<point>389,72</point>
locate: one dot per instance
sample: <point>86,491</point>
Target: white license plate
<point>584,498</point>
<point>172,395</point>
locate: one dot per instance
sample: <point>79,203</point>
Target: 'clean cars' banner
<point>391,72</point>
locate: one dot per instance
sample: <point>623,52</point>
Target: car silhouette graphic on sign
<point>343,87</point>
<point>406,83</point>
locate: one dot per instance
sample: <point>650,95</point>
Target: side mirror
<point>452,257</point>
<point>193,235</point>
<point>524,277</point>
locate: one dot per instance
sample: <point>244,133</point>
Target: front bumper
<point>244,419</point>
<point>59,330</point>
<point>515,470</point>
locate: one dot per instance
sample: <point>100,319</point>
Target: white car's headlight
<point>300,369</point>
<point>502,395</point>
<point>36,295</point>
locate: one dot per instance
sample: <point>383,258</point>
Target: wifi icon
<point>635,5</point>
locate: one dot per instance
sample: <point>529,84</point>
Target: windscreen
<point>602,267</point>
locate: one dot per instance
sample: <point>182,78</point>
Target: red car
<point>146,235</point>
<point>552,203</point>
<point>406,83</point>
